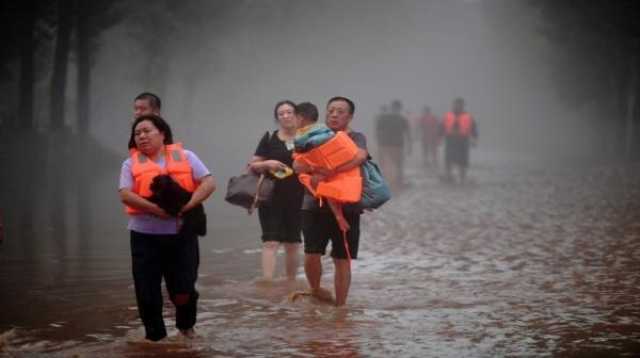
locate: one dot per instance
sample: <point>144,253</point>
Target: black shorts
<point>280,223</point>
<point>319,227</point>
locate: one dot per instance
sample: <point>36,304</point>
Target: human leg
<point>291,259</point>
<point>147,277</point>
<point>342,280</point>
<point>269,252</point>
<point>341,257</point>
<point>314,227</point>
<point>270,225</point>
<point>181,274</point>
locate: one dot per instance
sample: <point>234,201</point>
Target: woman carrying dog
<point>280,219</point>
<point>158,247</point>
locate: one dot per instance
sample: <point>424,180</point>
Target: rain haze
<point>536,255</point>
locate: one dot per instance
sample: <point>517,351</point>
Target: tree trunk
<point>84,65</point>
<point>631,104</point>
<point>27,68</point>
<point>61,58</point>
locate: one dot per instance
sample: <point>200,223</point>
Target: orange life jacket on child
<point>345,187</point>
<point>144,170</point>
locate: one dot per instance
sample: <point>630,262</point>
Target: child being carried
<point>323,152</point>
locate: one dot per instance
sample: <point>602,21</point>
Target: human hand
<point>159,212</point>
<point>315,179</point>
<point>275,165</point>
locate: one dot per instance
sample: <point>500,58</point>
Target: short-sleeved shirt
<point>310,203</point>
<point>288,191</point>
<point>149,223</point>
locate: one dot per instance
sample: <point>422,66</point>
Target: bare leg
<point>313,271</point>
<point>342,280</point>
<point>269,250</point>
<point>292,259</point>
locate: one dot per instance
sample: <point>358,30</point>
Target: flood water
<point>529,259</point>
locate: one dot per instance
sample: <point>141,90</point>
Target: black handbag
<point>250,191</point>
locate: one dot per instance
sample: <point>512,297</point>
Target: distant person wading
<point>394,142</point>
<point>460,132</point>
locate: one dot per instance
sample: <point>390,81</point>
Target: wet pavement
<point>523,261</point>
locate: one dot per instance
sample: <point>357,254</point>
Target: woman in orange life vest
<point>158,248</point>
<point>280,220</point>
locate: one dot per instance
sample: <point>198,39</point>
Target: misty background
<point>547,81</point>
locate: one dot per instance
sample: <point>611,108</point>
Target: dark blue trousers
<point>176,258</point>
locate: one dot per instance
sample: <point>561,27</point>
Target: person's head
<point>426,110</point>
<point>306,114</point>
<point>146,103</point>
<point>458,105</point>
<point>149,133</point>
<point>284,113</point>
<point>339,113</point>
<point>396,106</point>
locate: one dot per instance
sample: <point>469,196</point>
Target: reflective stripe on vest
<point>144,170</point>
<point>463,122</point>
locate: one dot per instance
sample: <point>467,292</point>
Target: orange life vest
<point>144,170</point>
<point>345,187</point>
<point>464,122</point>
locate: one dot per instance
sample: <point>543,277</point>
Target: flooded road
<point>522,261</point>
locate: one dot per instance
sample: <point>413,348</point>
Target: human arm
<point>206,187</point>
<point>134,200</point>
<point>259,164</point>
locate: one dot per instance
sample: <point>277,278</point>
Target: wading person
<point>394,139</point>
<point>280,219</point>
<point>460,132</point>
<point>429,129</point>
<point>159,249</point>
<point>319,224</point>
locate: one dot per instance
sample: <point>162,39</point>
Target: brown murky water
<point>521,262</point>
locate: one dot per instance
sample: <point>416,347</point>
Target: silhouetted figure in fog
<point>428,127</point>
<point>159,249</point>
<point>394,139</point>
<point>146,103</point>
<point>460,132</point>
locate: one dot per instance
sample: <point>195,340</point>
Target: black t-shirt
<point>311,203</point>
<point>288,191</point>
<point>391,129</point>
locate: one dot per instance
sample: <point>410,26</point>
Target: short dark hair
<point>307,110</point>
<point>283,102</point>
<point>158,122</point>
<point>352,106</point>
<point>153,99</point>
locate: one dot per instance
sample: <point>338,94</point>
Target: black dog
<point>171,197</point>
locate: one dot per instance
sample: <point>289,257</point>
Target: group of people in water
<point>161,247</point>
<point>457,129</point>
